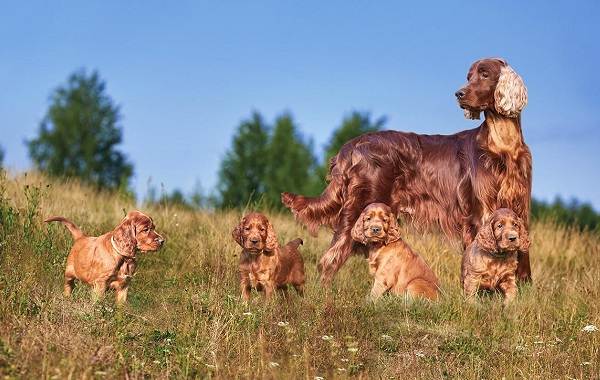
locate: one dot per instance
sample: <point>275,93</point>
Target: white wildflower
<point>247,313</point>
<point>538,342</point>
<point>319,378</point>
<point>327,337</point>
<point>352,349</point>
<point>585,363</point>
<point>283,324</point>
<point>344,360</point>
<point>273,364</point>
<point>341,369</point>
<point>420,354</point>
<point>386,337</point>
<point>520,348</point>
<point>589,329</point>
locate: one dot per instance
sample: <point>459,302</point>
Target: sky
<point>186,73</point>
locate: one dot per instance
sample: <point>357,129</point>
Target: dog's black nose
<point>512,237</point>
<point>375,230</point>
<point>254,240</point>
<point>459,94</point>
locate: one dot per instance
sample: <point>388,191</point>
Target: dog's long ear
<point>393,232</point>
<point>485,237</point>
<point>237,232</point>
<point>510,96</point>
<point>271,243</point>
<point>358,231</point>
<point>124,236</point>
<point>523,237</point>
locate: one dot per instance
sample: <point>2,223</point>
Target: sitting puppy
<point>490,262</point>
<point>263,264</point>
<point>395,266</point>
<point>109,260</point>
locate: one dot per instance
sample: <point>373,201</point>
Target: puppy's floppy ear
<point>271,243</point>
<point>510,96</point>
<point>393,232</point>
<point>124,236</point>
<point>485,237</point>
<point>358,231</point>
<point>237,232</point>
<point>523,237</point>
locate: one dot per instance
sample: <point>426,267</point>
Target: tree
<point>291,162</point>
<point>242,172</point>
<point>1,156</point>
<point>79,134</point>
<point>353,125</point>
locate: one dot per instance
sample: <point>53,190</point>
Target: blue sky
<point>186,73</point>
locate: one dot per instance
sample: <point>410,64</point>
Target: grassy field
<point>184,316</point>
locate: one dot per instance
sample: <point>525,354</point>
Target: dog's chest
<point>495,272</point>
<point>124,270</point>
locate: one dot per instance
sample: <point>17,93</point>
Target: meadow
<point>184,317</point>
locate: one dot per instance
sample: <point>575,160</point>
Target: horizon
<point>184,78</point>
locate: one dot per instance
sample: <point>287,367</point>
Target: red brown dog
<point>395,266</point>
<point>264,265</point>
<point>108,261</point>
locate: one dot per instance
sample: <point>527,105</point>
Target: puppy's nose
<point>254,240</point>
<point>376,229</point>
<point>512,237</point>
<point>160,240</point>
<point>459,94</point>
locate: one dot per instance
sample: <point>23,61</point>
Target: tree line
<point>81,130</point>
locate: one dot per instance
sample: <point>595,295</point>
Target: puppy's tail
<point>75,231</point>
<point>294,244</point>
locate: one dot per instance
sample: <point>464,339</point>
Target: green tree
<point>79,134</point>
<point>353,125</point>
<point>242,172</point>
<point>290,164</point>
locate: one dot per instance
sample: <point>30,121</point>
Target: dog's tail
<point>75,231</point>
<point>317,211</point>
<point>294,244</point>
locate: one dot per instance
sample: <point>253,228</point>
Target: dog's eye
<point>499,225</point>
<point>262,228</point>
<point>368,218</point>
<point>247,228</point>
<point>485,74</point>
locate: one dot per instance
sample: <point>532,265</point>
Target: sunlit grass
<point>184,317</point>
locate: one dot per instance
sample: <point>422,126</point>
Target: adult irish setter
<point>452,181</point>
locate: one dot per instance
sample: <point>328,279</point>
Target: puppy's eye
<point>368,218</point>
<point>262,228</point>
<point>247,228</point>
<point>485,74</point>
<point>499,225</point>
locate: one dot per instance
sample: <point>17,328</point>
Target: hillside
<point>184,316</point>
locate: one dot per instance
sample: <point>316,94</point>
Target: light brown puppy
<point>490,262</point>
<point>109,260</point>
<point>264,265</point>
<point>395,266</point>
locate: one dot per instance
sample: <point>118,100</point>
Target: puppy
<point>490,262</point>
<point>265,266</point>
<point>395,266</point>
<point>109,260</point>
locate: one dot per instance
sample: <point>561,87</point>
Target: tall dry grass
<point>184,317</point>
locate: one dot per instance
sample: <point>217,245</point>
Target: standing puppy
<point>109,260</point>
<point>490,262</point>
<point>264,265</point>
<point>395,266</point>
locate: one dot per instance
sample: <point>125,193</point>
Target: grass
<point>184,317</point>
